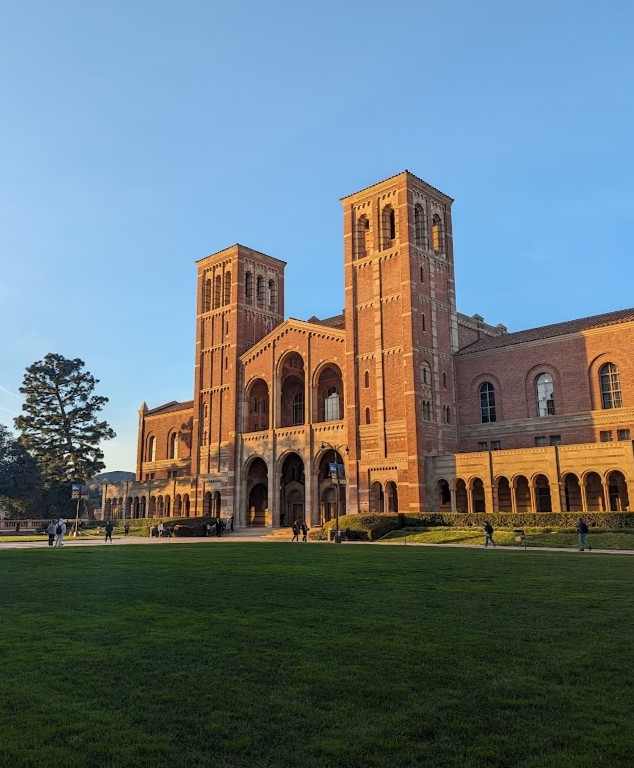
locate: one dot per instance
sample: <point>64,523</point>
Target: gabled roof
<point>337,334</point>
<point>169,407</point>
<point>549,331</point>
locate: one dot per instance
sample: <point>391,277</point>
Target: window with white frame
<point>545,395</point>
<point>610,380</point>
<point>487,403</point>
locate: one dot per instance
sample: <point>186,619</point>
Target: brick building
<point>422,407</point>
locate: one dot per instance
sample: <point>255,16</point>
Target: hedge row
<point>373,527</point>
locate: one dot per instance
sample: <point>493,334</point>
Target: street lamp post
<point>337,473</point>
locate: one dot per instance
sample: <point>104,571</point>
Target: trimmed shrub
<point>519,519</point>
<point>373,527</point>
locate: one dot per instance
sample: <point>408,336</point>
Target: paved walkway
<point>266,535</point>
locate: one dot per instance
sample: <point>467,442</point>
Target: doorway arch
<point>257,492</point>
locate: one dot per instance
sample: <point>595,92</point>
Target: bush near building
<point>373,527</point>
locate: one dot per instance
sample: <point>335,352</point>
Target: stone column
<point>584,496</point>
<point>513,498</point>
<point>454,506</point>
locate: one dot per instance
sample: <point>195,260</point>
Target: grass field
<point>535,537</point>
<point>282,655</point>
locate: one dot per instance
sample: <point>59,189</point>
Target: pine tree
<point>60,425</point>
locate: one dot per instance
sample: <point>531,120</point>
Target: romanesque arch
<point>391,491</point>
<point>329,390</point>
<point>572,493</point>
<point>504,501</point>
<point>522,494</point>
<point>617,491</point>
<point>478,503</point>
<point>258,406</point>
<point>292,380</point>
<point>377,500</point>
<point>543,501</point>
<point>292,489</point>
<point>595,500</point>
<point>462,500</point>
<point>256,473</point>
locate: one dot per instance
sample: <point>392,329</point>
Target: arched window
<point>487,403</point>
<point>366,379</point>
<point>419,225</point>
<point>173,446</point>
<point>388,226</point>
<point>610,386</point>
<point>427,410</point>
<point>444,380</point>
<point>217,291</point>
<point>248,285</point>
<point>207,296</point>
<point>425,370</point>
<point>205,410</point>
<point>363,229</point>
<point>270,298</point>
<point>436,233</point>
<point>423,322</point>
<point>368,419</point>
<point>227,291</point>
<point>422,273</point>
<point>331,405</point>
<point>259,289</point>
<point>151,449</point>
<point>545,395</point>
<point>298,408</point>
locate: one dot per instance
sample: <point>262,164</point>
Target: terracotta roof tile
<point>169,407</point>
<point>337,321</point>
<point>549,331</point>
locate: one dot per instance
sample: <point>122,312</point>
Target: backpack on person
<point>58,530</point>
<point>584,528</point>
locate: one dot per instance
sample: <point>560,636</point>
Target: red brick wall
<point>573,361</point>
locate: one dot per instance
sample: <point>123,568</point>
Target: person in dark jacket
<point>305,530</point>
<point>51,532</point>
<point>582,529</point>
<point>295,531</point>
<point>488,534</point>
<point>109,527</point>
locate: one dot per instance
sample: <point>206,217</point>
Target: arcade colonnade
<point>592,477</point>
<point>589,492</point>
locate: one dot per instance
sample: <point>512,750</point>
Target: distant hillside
<point>111,477</point>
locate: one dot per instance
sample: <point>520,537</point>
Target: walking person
<point>218,527</point>
<point>488,534</point>
<point>305,530</point>
<point>231,519</point>
<point>60,530</point>
<point>295,531</point>
<point>109,527</point>
<point>582,529</point>
<point>126,528</point>
<point>51,532</point>
<point>161,529</point>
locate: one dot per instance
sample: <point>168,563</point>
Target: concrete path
<point>284,535</point>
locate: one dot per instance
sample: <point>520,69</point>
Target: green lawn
<point>535,537</point>
<point>315,656</point>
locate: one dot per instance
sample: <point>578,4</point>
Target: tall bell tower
<point>240,298</point>
<point>401,329</point>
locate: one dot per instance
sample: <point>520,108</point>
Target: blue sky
<point>138,137</point>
